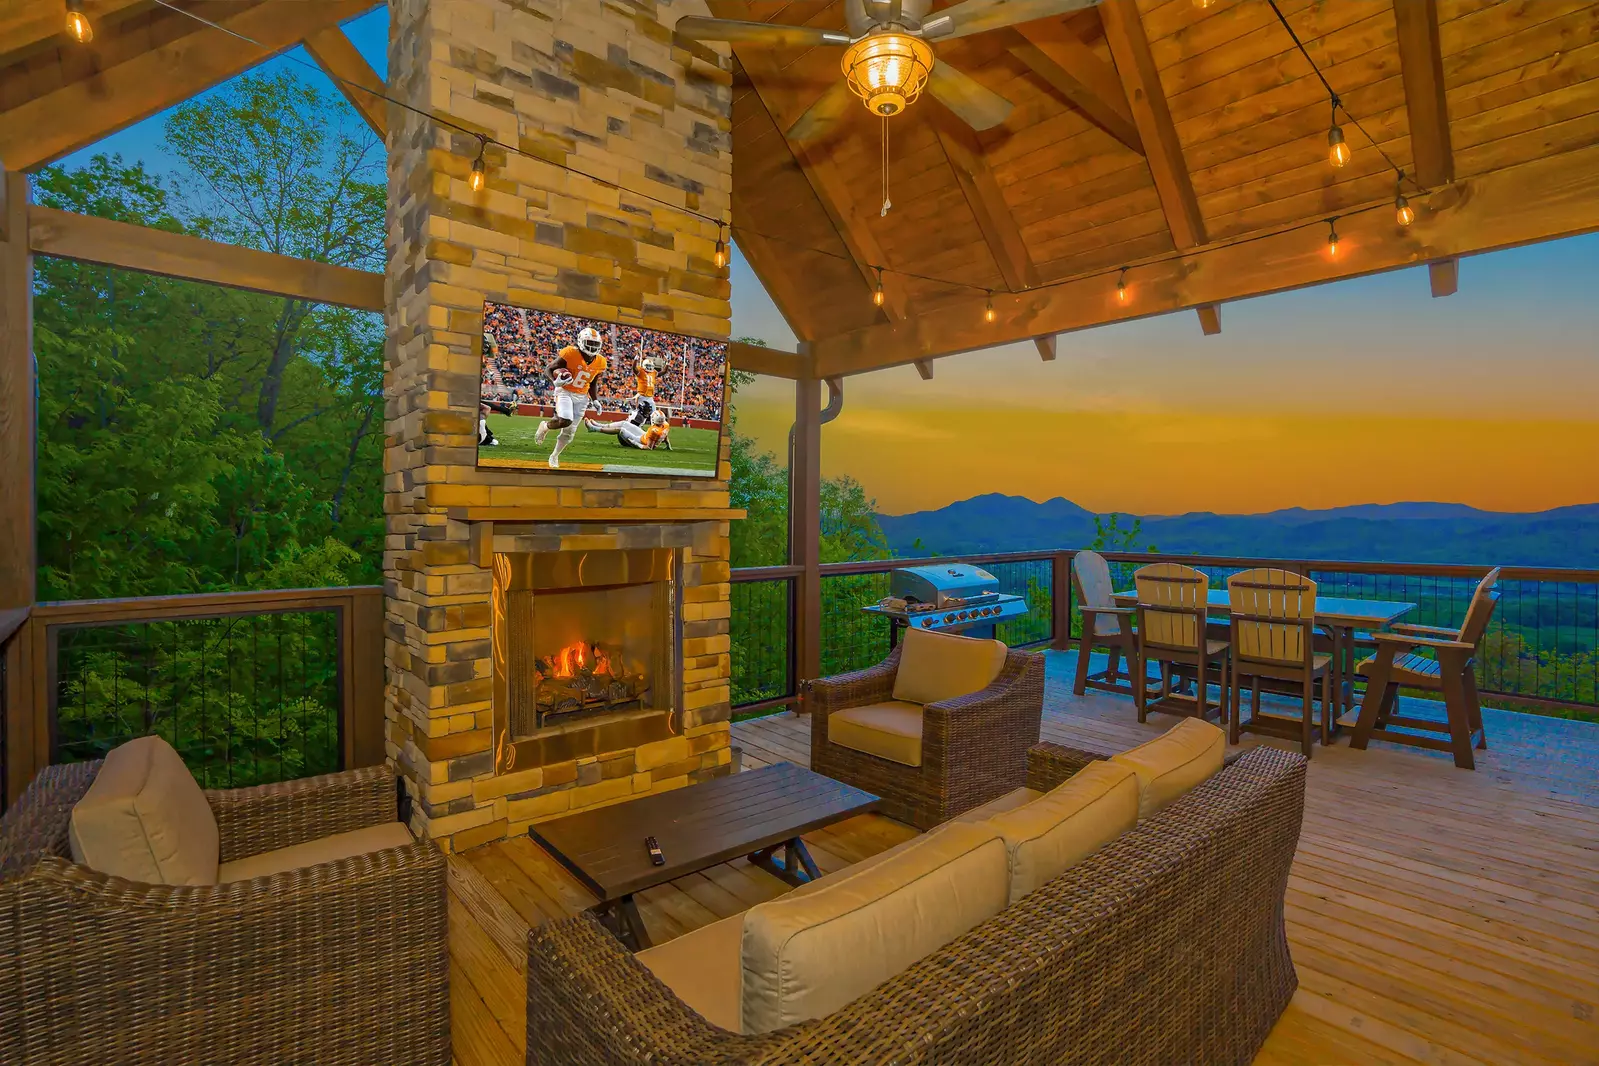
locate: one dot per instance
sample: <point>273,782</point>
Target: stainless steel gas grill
<point>949,597</point>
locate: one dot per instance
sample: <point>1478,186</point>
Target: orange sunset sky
<point>1364,391</point>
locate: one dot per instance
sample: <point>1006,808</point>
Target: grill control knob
<point>927,623</point>
<point>949,618</point>
<point>964,614</point>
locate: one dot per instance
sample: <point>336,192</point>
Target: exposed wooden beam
<point>81,112</point>
<point>1444,277</point>
<point>771,266</point>
<point>1421,66</point>
<point>18,560</point>
<point>28,25</point>
<point>1072,69</point>
<point>1546,199</point>
<point>1209,319</point>
<point>924,367</point>
<point>177,255</point>
<point>335,54</point>
<point>773,362</point>
<point>1141,81</point>
<point>1046,347</point>
<point>987,201</point>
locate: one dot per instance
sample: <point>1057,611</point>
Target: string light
<point>1337,147</point>
<point>480,175</point>
<point>1332,238</point>
<point>78,23</point>
<point>721,248</point>
<point>1403,212</point>
<point>1121,286</point>
<point>1203,5</point>
<point>988,309</point>
<point>877,291</point>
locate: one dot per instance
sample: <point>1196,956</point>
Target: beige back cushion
<point>806,955</point>
<point>145,819</point>
<point>1093,581</point>
<point>1062,827</point>
<point>941,666</point>
<point>1174,762</point>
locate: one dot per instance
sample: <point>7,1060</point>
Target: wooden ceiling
<point>1141,127</point>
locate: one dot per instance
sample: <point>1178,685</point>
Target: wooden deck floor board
<point>1436,915</point>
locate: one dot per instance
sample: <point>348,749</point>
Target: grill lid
<point>941,583</point>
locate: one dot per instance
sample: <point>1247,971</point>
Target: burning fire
<point>580,658</point>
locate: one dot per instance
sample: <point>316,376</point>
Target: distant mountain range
<point>1395,532</point>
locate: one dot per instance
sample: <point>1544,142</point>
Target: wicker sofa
<point>973,748</point>
<point>340,963</point>
<point>1166,946</point>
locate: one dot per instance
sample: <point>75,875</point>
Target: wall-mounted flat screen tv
<point>577,394</point>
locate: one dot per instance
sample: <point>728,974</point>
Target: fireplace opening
<point>581,638</point>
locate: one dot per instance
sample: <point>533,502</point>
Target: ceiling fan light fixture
<point>888,70</point>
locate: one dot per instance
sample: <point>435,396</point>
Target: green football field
<point>693,454</point>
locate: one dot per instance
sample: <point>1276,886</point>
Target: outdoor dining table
<point>1340,616</point>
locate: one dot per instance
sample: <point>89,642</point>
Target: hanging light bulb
<point>78,23</point>
<point>721,249</point>
<point>1337,147</point>
<point>1332,238</point>
<point>480,174</point>
<point>1203,5</point>
<point>877,291</point>
<point>1121,286</point>
<point>1403,212</point>
<point>988,310</point>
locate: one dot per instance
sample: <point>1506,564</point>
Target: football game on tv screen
<point>576,394</point>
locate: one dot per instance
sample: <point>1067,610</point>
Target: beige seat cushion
<point>1171,764</point>
<point>702,968</point>
<point>891,730</point>
<point>315,852</point>
<point>1051,834</point>
<point>145,819</point>
<point>806,955</point>
<point>1016,797</point>
<point>941,666</point>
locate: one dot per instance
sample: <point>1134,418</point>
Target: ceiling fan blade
<point>977,16</point>
<point>696,28</point>
<point>979,107</point>
<point>856,17</point>
<point>820,116</point>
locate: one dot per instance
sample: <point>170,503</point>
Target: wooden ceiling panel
<point>1562,121</point>
<point>1150,240</point>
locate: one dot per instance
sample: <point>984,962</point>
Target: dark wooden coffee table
<point>753,814</point>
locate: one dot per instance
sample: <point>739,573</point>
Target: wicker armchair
<point>1165,946</point>
<point>342,963</point>
<point>974,748</point>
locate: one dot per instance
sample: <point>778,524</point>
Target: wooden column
<point>805,525</point>
<point>17,407</point>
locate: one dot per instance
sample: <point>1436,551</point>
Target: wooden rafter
<point>1444,277</point>
<point>987,201</point>
<point>79,113</point>
<point>772,267</point>
<point>1141,81</point>
<point>177,255</point>
<point>1072,69</point>
<point>26,25</point>
<point>1549,198</point>
<point>335,54</point>
<point>1046,347</point>
<point>1421,67</point>
<point>924,367</point>
<point>1209,319</point>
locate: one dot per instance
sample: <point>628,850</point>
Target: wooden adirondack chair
<point>1105,625</point>
<point>1172,615</point>
<point>1451,671</point>
<point>1273,619</point>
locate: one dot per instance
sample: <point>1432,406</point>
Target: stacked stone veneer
<point>596,85</point>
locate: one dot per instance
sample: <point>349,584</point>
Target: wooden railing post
<point>805,526</point>
<point>363,678</point>
<point>1061,600</point>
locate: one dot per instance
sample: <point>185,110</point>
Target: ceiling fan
<point>888,60</point>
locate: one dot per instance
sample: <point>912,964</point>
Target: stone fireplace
<point>504,588</point>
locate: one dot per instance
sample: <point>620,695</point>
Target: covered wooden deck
<point>1436,915</point>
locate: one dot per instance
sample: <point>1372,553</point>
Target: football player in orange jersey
<point>576,376</point>
<point>631,435</point>
<point>644,392</point>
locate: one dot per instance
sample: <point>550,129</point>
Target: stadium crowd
<point>520,344</point>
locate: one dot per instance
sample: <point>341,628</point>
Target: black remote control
<point>656,858</point>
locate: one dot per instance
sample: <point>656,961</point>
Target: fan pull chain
<point>887,203</point>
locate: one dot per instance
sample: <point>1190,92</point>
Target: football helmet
<point>658,418</point>
<point>647,364</point>
<point>589,342</point>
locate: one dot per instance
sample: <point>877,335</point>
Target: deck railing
<point>249,687</point>
<point>1541,650</point>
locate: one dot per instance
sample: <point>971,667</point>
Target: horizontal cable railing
<point>249,687</point>
<point>1541,650</point>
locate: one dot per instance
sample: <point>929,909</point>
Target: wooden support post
<point>924,367</point>
<point>18,408</point>
<point>363,672</point>
<point>1046,347</point>
<point>1445,276</point>
<point>805,525</point>
<point>1209,318</point>
<point>1061,602</point>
